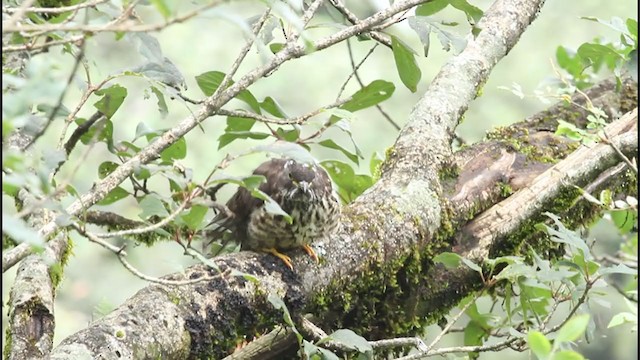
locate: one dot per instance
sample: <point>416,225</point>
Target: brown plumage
<point>302,190</point>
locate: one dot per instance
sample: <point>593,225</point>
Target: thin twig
<point>85,96</point>
<point>318,334</point>
<point>165,220</point>
<point>353,19</point>
<point>54,10</point>
<point>454,319</point>
<point>56,108</point>
<point>354,67</point>
<point>119,251</point>
<point>631,165</point>
<point>81,130</point>
<point>257,27</point>
<point>31,46</point>
<point>17,15</point>
<point>292,121</point>
<point>120,27</point>
<point>357,76</point>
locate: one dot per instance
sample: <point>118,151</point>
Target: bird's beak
<point>304,186</point>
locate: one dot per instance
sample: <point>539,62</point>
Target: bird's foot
<point>311,253</point>
<point>283,257</point>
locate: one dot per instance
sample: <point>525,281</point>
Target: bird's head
<point>301,178</point>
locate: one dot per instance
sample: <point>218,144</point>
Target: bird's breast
<point>311,220</point>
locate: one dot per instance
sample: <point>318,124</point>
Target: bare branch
<point>53,10</point>
<point>30,46</point>
<point>509,215</point>
<point>629,163</point>
<point>353,19</point>
<point>117,26</point>
<point>292,121</point>
<point>243,53</point>
<point>165,220</point>
<point>109,219</point>
<point>122,255</point>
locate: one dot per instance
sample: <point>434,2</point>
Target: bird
<point>303,190</point>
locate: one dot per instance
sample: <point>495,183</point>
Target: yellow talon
<point>283,257</point>
<point>311,253</point>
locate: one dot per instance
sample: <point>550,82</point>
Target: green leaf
<point>142,129</point>
<point>623,318</point>
<point>569,61</point>
<point>431,7</point>
<point>471,265</point>
<point>375,165</point>
<point>289,135</point>
<point>246,276</point>
<point>178,150</point>
<point>114,195</point>
<point>448,259</point>
<point>238,128</point>
<point>18,230</point>
<point>227,138</point>
<point>597,54</point>
<point>332,145</point>
<point>193,219</point>
<point>619,269</point>
<point>337,113</point>
<point>271,106</point>
<point>632,26</point>
<point>276,47</point>
<point>210,81</point>
<point>106,168</point>
<point>374,93</point>
<point>345,178</point>
<point>253,181</point>
<point>104,129</point>
<point>112,98</point>
<point>539,344</point>
<point>272,207</point>
<point>449,40</point>
<point>473,13</point>
<point>566,236</point>
<point>473,334</point>
<point>406,64</point>
<point>279,304</point>
<point>151,205</point>
<point>162,104</point>
<point>422,27</point>
<point>572,329</point>
<point>624,220</point>
<point>162,8</point>
<point>350,339</point>
<point>239,124</point>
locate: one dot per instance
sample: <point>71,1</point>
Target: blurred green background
<point>95,283</point>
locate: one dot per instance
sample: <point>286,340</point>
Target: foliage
<point>171,203</point>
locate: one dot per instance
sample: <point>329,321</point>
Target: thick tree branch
<point>578,169</point>
<point>31,314</point>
